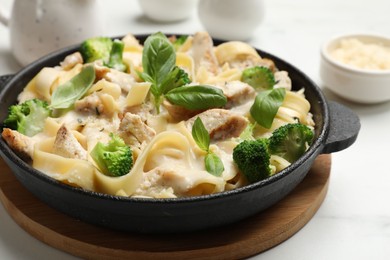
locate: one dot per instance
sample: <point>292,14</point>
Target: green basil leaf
<point>266,106</point>
<point>214,164</point>
<point>145,76</point>
<point>201,135</point>
<point>158,57</point>
<point>197,97</point>
<point>65,95</point>
<point>153,88</point>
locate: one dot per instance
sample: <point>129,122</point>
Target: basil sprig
<point>159,68</point>
<point>158,60</point>
<point>66,94</point>
<point>201,136</point>
<point>197,97</point>
<point>266,106</point>
<point>214,164</point>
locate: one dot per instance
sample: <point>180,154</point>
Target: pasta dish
<point>169,117</point>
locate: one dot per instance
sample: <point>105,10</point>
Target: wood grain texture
<point>243,239</point>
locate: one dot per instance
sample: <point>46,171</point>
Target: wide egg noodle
<point>65,76</point>
<point>296,105</point>
<point>226,74</point>
<point>74,172</point>
<point>279,163</point>
<point>51,127</point>
<point>173,150</point>
<point>131,44</point>
<point>138,93</point>
<point>106,87</point>
<point>44,82</point>
<point>186,62</point>
<point>235,51</point>
<point>132,54</point>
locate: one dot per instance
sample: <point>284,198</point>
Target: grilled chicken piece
<point>203,53</point>
<point>236,92</point>
<point>124,80</point>
<point>66,145</point>
<point>72,60</point>
<point>97,103</point>
<point>135,132</point>
<point>19,143</point>
<point>283,80</point>
<point>144,110</point>
<point>179,113</point>
<point>220,123</point>
<point>90,104</point>
<point>100,70</point>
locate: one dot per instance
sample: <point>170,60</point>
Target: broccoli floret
<point>290,141</point>
<point>177,78</point>
<point>96,48</point>
<point>181,77</point>
<point>179,41</point>
<point>260,78</point>
<point>253,159</point>
<point>27,118</point>
<point>114,158</point>
<point>116,56</point>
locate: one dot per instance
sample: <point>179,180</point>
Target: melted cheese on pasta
<point>171,164</point>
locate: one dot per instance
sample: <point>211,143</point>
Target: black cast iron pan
<point>337,128</point>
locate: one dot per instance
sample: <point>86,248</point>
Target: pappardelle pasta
<point>171,117</point>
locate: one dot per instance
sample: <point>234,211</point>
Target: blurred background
<point>313,22</point>
<point>354,220</point>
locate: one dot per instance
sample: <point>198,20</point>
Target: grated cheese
<point>361,55</point>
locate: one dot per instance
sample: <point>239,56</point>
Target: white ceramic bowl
<point>353,83</point>
<point>168,10</point>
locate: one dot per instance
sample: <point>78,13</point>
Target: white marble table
<point>354,220</point>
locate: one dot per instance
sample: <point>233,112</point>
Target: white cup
<point>168,10</point>
<point>38,27</point>
<point>231,19</point>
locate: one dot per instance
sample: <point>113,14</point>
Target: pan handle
<point>4,79</point>
<point>344,127</point>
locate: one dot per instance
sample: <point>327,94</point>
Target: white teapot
<point>38,27</point>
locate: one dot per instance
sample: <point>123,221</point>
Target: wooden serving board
<point>243,239</point>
